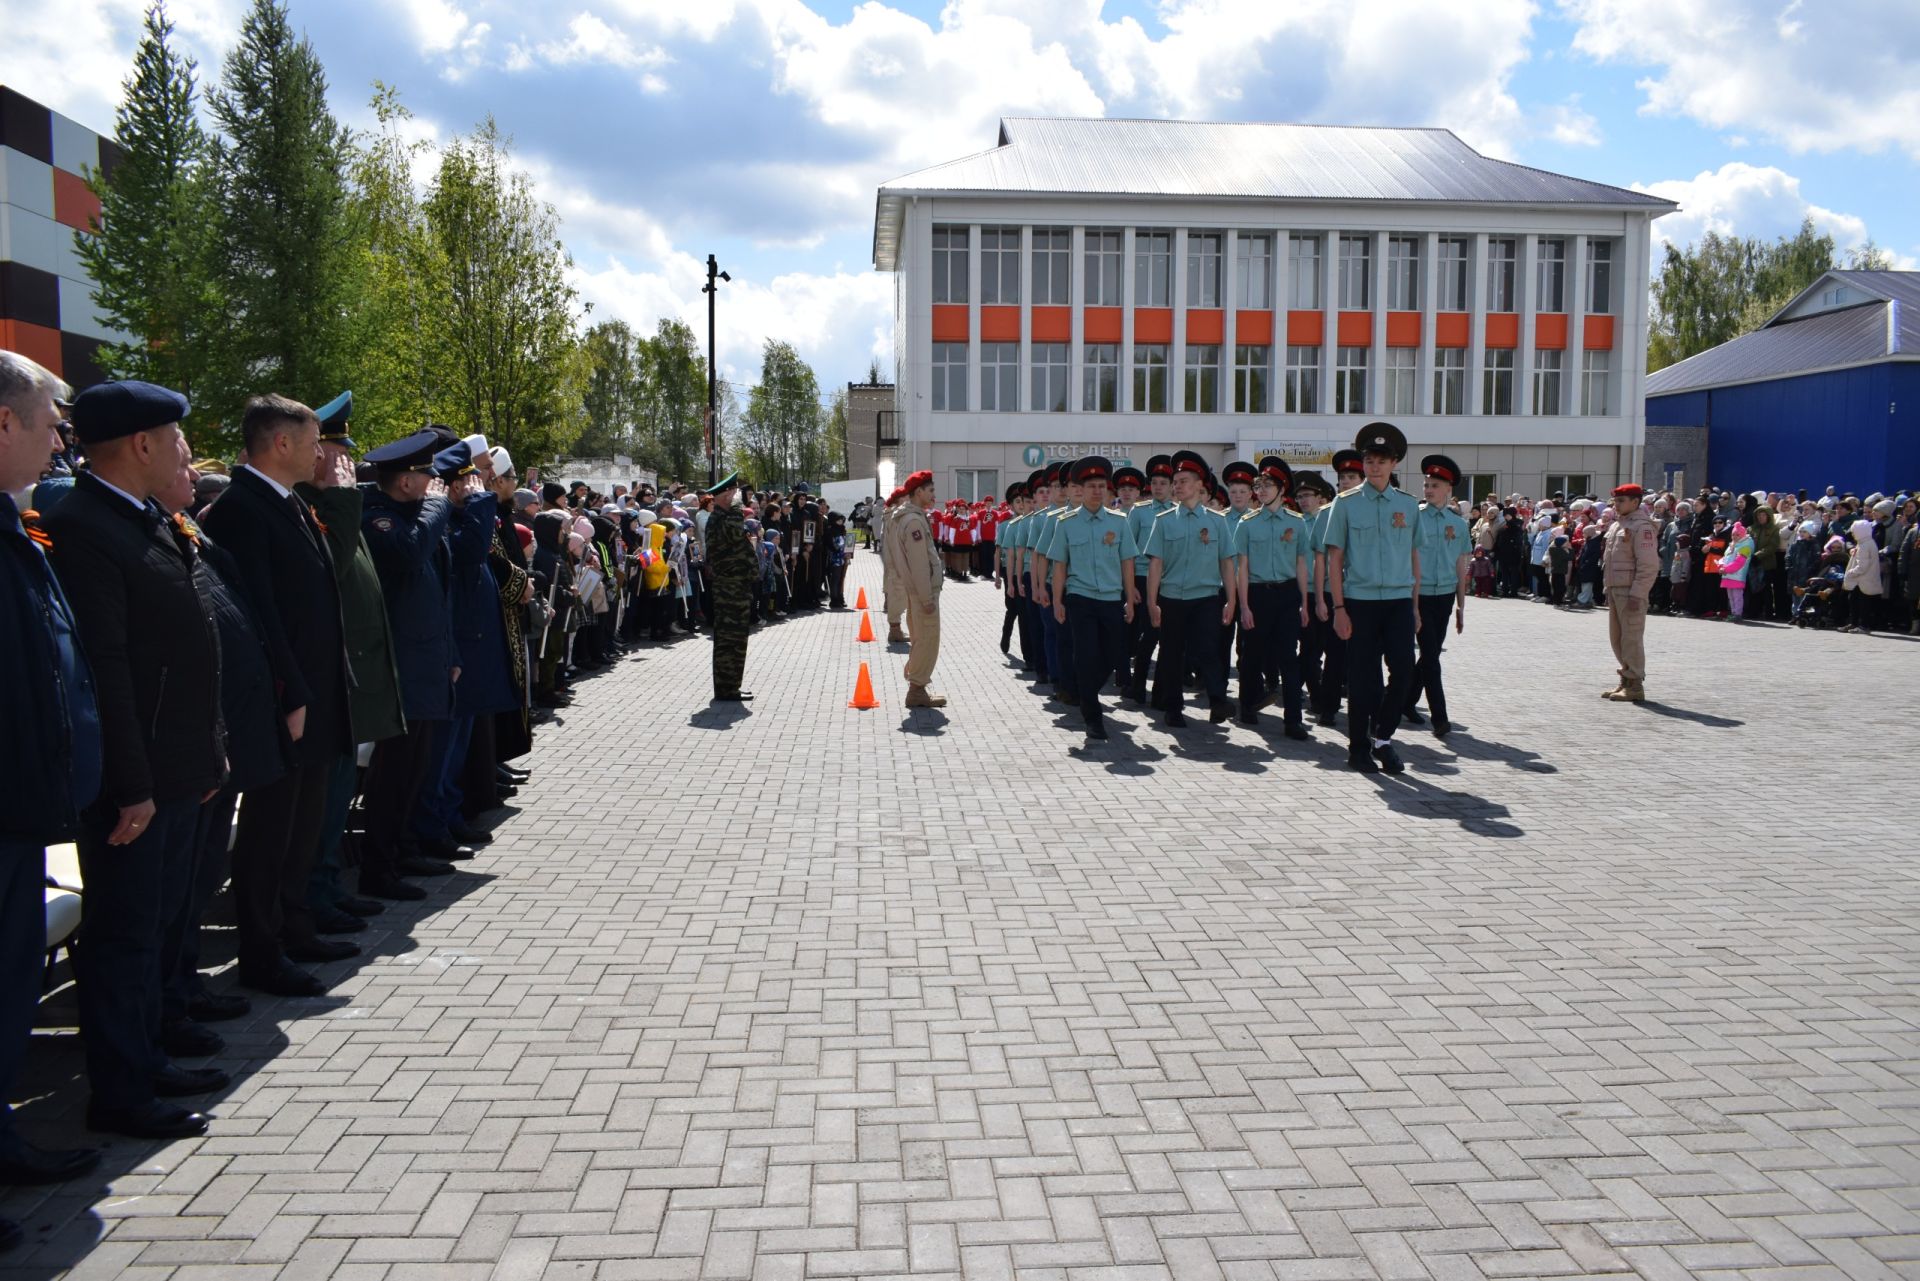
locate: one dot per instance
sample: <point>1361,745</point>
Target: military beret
<point>1441,466</point>
<point>1381,438</point>
<point>109,411</point>
<point>1187,460</point>
<point>411,453</point>
<point>1346,460</point>
<point>1239,472</point>
<point>913,482</point>
<point>1092,467</point>
<point>1160,465</point>
<point>1629,491</point>
<point>1129,476</point>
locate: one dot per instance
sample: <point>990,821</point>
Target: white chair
<point>63,867</point>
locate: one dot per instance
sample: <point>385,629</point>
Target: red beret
<point>916,480</point>
<point>1629,491</point>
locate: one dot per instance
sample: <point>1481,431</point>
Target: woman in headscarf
<point>1863,579</point>
<point>553,586</point>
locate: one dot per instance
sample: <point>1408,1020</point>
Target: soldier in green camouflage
<point>733,564</point>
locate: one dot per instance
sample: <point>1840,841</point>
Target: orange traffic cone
<point>866,628</point>
<point>861,601</point>
<point>863,691</point>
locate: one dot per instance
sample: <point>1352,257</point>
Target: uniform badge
<point>1205,534</point>
<point>916,536</point>
<point>1450,533</point>
<point>1286,536</point>
<point>1399,520</point>
<point>1108,540</point>
<point>383,523</point>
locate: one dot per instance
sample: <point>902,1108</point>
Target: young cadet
<point>1060,651</point>
<point>1016,507</point>
<point>1333,686</point>
<point>1374,573</point>
<point>1093,593</point>
<point>1127,484</point>
<point>1312,491</point>
<point>1443,542</point>
<point>1191,560</point>
<point>1020,566</point>
<point>1270,556</point>
<point>1140,517</point>
<point>1237,479</point>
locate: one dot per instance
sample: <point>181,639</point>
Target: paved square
<point>810,992</point>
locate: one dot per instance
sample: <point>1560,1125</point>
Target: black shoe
<point>287,980</point>
<point>419,865</point>
<point>1137,694</point>
<point>185,1039</point>
<point>154,1121</point>
<point>470,835</point>
<point>738,696</point>
<point>513,773</point>
<point>334,921</point>
<point>176,1082</point>
<point>315,951</point>
<point>361,906</point>
<point>1219,712</point>
<point>1097,732</point>
<point>1358,758</point>
<point>218,1007</point>
<point>1412,717</point>
<point>1298,732</point>
<point>396,889</point>
<point>1442,727</point>
<point>1248,718</point>
<point>24,1165</point>
<point>1389,759</point>
<point>444,851</point>
<point>1325,719</point>
<point>1176,720</point>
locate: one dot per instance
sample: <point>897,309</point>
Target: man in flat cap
<point>1444,543</point>
<point>1093,594</point>
<point>920,573</point>
<point>145,612</point>
<point>1632,563</point>
<point>734,564</point>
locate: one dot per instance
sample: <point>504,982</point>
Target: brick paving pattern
<point>810,992</point>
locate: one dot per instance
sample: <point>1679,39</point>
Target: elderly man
<point>1632,561</point>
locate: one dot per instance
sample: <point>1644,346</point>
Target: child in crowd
<point>1559,564</point>
<point>1733,571</point>
<point>1482,572</point>
<point>1682,572</point>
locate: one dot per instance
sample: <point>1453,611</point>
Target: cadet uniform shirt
<point>1091,545</point>
<point>1049,530</point>
<point>1374,529</point>
<point>1442,537</point>
<point>1272,539</point>
<point>1140,518</point>
<point>1190,545</point>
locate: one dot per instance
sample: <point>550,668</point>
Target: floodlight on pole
<point>710,289</point>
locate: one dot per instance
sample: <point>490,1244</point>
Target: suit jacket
<point>287,573</point>
<point>408,542</point>
<point>259,749</point>
<point>145,614</point>
<point>374,699</point>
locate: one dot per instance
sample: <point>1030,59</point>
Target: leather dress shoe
<point>361,906</point>
<point>334,921</point>
<point>287,980</point>
<point>738,696</point>
<point>1297,731</point>
<point>470,835</point>
<point>1412,717</point>
<point>316,950</point>
<point>1360,759</point>
<point>176,1082</point>
<point>186,1039</point>
<point>511,774</point>
<point>420,865</point>
<point>1442,727</point>
<point>1176,720</point>
<point>1389,759</point>
<point>154,1121</point>
<point>397,889</point>
<point>24,1165</point>
<point>218,1007</point>
<point>1219,712</point>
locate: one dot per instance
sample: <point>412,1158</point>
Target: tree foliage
<point>778,440</point>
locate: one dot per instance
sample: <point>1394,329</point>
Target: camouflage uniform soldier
<point>731,561</point>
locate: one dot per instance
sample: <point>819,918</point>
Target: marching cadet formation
<point>1171,578</point>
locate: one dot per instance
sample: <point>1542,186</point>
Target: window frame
<point>1057,291</point>
<point>1003,375</point>
<point>1449,375</point>
<point>1403,273</point>
<point>1056,375</point>
<point>1453,274</point>
<point>1503,274</point>
<point>1202,376</point>
<point>1204,267</point>
<point>1253,268</point>
<point>1493,377</point>
<point>1550,275</point>
<point>944,372</point>
<point>1310,276</point>
<point>997,259</point>
<point>992,486</point>
<point>1350,379</point>
<point>1400,381</point>
<point>1590,376</point>
<point>943,263</point>
<point>1091,377</point>
<point>1152,267</point>
<point>1355,274</point>
<point>1103,267</point>
<point>1250,376</point>
<point>1151,364</point>
<point>1301,388</point>
<point>1549,384</point>
<point>1599,272</point>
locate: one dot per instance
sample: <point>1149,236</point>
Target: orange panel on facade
<point>1403,329</point>
<point>949,322</point>
<point>1452,329</point>
<point>1254,328</point>
<point>1599,333</point>
<point>1356,329</point>
<point>1550,331</point>
<point>1503,330</point>
<point>73,203</point>
<point>1153,324</point>
<point>1102,324</point>
<point>999,324</point>
<point>1053,324</point>
<point>36,342</point>
<point>1206,325</point>
<point>1306,328</point>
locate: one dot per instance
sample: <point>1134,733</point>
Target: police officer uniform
<point>1145,636</point>
<point>1372,528</point>
<point>1444,542</point>
<point>1093,556</point>
<point>1192,553</point>
<point>1271,556</point>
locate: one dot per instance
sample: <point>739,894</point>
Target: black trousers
<point>212,864</point>
<point>1313,653</point>
<point>479,774</point>
<point>273,863</point>
<point>1436,615</point>
<point>1010,620</point>
<point>1033,640</point>
<point>395,776</point>
<point>1142,640</point>
<point>1382,630</point>
<point>1228,631</point>
<point>1099,630</point>
<point>1333,667</point>
<point>1189,633</point>
<point>23,884</point>
<point>1270,649</point>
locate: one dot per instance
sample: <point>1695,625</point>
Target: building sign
<point>1298,453</point>
<point>1041,455</point>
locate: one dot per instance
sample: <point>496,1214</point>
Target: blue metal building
<point>1825,393</point>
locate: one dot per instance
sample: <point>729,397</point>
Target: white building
<point>1130,287</point>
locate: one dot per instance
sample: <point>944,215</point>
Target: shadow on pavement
<point>1682,714</point>
<point>1406,794</point>
<point>720,716</point>
<point>927,722</point>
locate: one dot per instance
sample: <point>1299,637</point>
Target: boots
<point>917,696</point>
<point>1615,691</point>
<point>895,636</point>
<point>1629,693</point>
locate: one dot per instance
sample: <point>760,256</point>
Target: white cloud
<point>1740,199</point>
<point>73,55</point>
<point>1846,76</point>
<point>1570,126</point>
<point>590,39</point>
<point>438,25</point>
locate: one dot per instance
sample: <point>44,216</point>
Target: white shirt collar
<point>116,489</point>
<point>278,488</point>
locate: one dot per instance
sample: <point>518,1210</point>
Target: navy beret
<point>108,411</point>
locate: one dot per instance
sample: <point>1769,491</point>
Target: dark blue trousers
<point>212,864</point>
<point>1189,636</point>
<point>1436,615</point>
<point>1382,631</point>
<point>1142,640</point>
<point>1059,642</point>
<point>1032,643</point>
<point>23,935</point>
<point>1270,649</point>
<point>1099,630</point>
<point>438,806</point>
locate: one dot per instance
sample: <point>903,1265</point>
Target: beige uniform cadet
<point>893,593</point>
<point>1632,562</point>
<point>917,562</point>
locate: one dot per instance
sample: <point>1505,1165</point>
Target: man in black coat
<point>287,572</point>
<point>145,615</point>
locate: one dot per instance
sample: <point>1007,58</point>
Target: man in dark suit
<point>278,547</point>
<point>146,620</point>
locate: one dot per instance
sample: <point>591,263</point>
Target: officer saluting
<point>1374,572</point>
<point>1271,557</point>
<point>1444,543</point>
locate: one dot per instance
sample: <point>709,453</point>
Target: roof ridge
<point>1249,124</point>
<point>1591,182</point>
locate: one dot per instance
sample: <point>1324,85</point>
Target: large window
<point>1450,380</point>
<point>1502,256</point>
<point>1403,273</point>
<point>1253,271</point>
<point>1052,266</point>
<point>1450,275</point>
<point>1152,268</point>
<point>1594,368</point>
<point>1303,273</point>
<point>975,483</point>
<point>1573,485</point>
<point>1303,380</point>
<point>1599,277</point>
<point>1356,269</point>
<point>1252,367</point>
<point>949,264</point>
<point>1496,387</point>
<point>1000,265</point>
<point>1477,486</point>
<point>1350,380</point>
<point>1150,378</point>
<point>999,377</point>
<point>1550,276</point>
<point>1103,254</point>
<point>1401,387</point>
<point>1050,375</point>
<point>1100,378</point>
<point>950,376</point>
<point>1546,382</point>
<point>1203,268</point>
<point>1201,384</point>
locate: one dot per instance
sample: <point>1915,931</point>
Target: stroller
<point>1819,603</point>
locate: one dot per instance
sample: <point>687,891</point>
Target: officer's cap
<point>1312,482</point>
<point>412,453</point>
<point>1381,438</point>
<point>1239,472</point>
<point>1187,460</point>
<point>1277,469</point>
<point>1129,476</point>
<point>334,417</point>
<point>1092,467</point>
<point>732,481</point>
<point>110,411</point>
<point>1160,465</point>
<point>1441,466</point>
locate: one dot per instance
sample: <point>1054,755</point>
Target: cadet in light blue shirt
<point>1444,543</point>
<point>1145,637</point>
<point>1374,572</point>
<point>1271,555</point>
<point>1092,553</point>
<point>1191,551</point>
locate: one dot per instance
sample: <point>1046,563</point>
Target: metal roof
<point>1888,328</point>
<point>1187,159</point>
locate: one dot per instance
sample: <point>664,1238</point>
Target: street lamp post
<point>712,287</point>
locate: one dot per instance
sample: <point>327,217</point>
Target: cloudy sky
<point>664,130</point>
